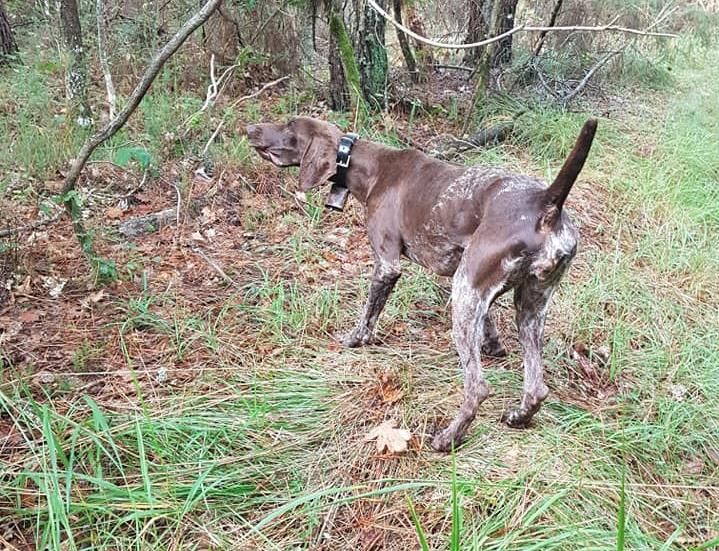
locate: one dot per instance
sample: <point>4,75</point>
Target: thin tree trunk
<point>404,44</point>
<point>8,46</point>
<point>476,29</point>
<point>507,12</point>
<point>339,92</point>
<point>76,78</point>
<point>552,22</point>
<point>372,57</point>
<point>101,37</point>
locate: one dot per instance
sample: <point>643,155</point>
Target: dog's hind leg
<point>531,301</point>
<point>491,344</point>
<point>470,306</point>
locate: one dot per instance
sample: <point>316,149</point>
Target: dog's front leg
<point>386,273</point>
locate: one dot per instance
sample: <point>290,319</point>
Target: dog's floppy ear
<point>317,164</point>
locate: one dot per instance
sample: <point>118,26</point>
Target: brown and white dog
<point>490,229</point>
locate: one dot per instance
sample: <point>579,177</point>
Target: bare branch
<point>236,103</point>
<point>583,83</point>
<point>122,117</point>
<point>523,27</point>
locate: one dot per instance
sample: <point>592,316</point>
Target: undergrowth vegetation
<point>180,410</point>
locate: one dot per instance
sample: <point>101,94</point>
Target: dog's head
<point>305,142</point>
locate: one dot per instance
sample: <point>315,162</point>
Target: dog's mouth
<point>271,154</point>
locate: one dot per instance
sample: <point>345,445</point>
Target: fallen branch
<point>583,83</point>
<point>148,223</point>
<point>214,265</point>
<point>72,204</point>
<point>523,27</point>
<point>483,137</point>
<point>31,227</point>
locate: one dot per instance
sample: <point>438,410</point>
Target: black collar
<point>339,192</point>
<point>344,150</point>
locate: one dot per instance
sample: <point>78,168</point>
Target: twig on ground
<point>213,264</point>
<point>31,227</point>
<point>179,201</point>
<point>456,68</point>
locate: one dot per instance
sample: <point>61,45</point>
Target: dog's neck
<point>359,177</point>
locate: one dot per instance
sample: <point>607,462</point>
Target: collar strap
<point>339,192</point>
<point>344,155</point>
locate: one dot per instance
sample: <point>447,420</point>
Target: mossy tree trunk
<point>339,92</point>
<point>8,46</point>
<point>348,65</point>
<point>77,74</point>
<point>372,56</point>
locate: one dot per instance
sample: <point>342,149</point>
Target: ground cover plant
<point>193,394</point>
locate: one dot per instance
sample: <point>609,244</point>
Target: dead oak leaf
<point>389,437</point>
<point>92,298</point>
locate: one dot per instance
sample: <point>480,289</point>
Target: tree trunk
<point>372,57</point>
<point>552,21</point>
<point>339,89</point>
<point>503,52</point>
<point>404,44</point>
<point>8,46</point>
<point>339,92</point>
<point>76,78</point>
<point>425,59</point>
<point>476,28</point>
<point>484,65</point>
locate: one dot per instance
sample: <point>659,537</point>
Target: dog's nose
<point>252,130</point>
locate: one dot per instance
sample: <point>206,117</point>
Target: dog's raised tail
<point>558,191</point>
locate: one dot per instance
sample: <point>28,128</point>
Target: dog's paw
<point>494,349</point>
<point>516,417</point>
<point>357,338</point>
<point>445,441</point>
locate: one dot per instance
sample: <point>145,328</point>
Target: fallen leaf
<point>694,466</point>
<point>93,298</point>
<point>29,316</point>
<point>389,389</point>
<point>113,213</point>
<point>54,285</point>
<point>389,437</point>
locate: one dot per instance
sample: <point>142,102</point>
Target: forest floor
<point>198,398</point>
